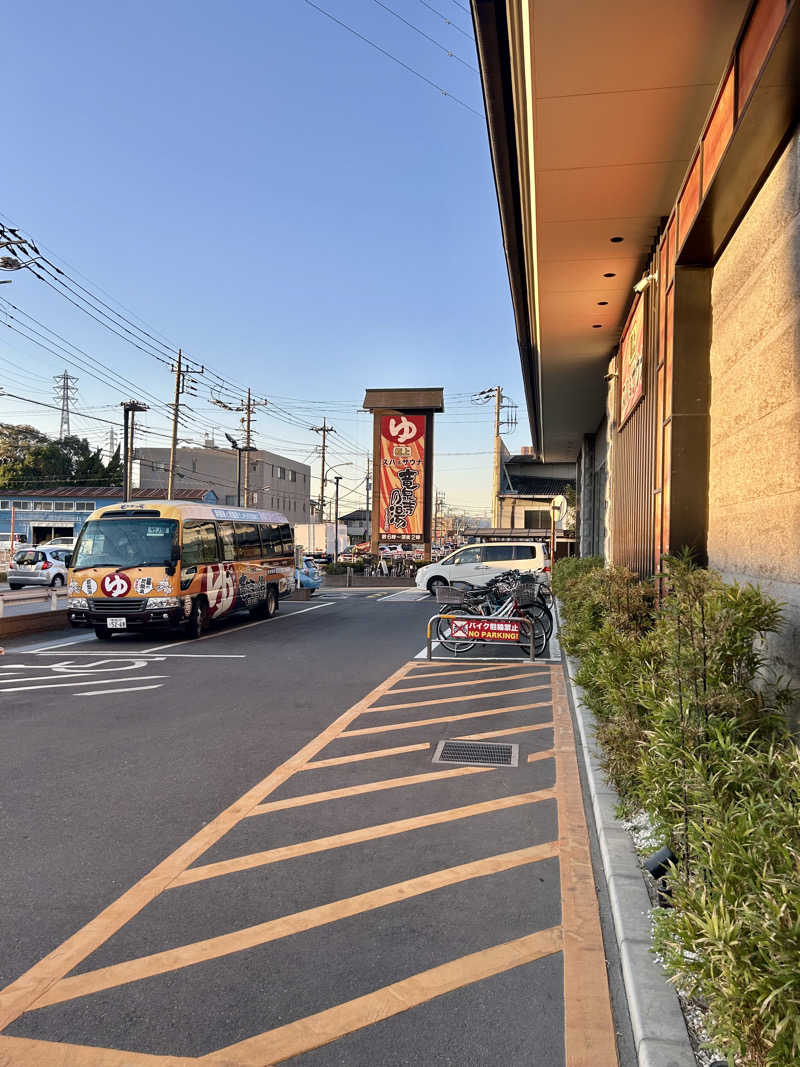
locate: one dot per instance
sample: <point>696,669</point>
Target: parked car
<point>38,566</point>
<point>61,542</point>
<point>476,564</point>
<point>307,576</point>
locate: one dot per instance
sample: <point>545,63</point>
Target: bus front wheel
<point>271,604</point>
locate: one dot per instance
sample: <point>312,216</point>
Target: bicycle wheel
<point>540,638</point>
<point>539,612</point>
<point>445,638</point>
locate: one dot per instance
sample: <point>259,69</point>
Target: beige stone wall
<point>754,474</point>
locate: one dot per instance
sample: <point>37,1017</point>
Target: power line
<point>449,22</point>
<point>405,66</point>
<point>427,37</point>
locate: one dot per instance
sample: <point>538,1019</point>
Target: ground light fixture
<point>609,274</point>
<point>658,867</point>
<point>602,303</point>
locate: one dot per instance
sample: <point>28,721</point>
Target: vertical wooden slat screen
<point>633,517</point>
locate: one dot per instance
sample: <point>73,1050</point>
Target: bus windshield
<point>128,542</point>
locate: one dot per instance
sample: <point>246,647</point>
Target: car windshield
<point>128,542</point>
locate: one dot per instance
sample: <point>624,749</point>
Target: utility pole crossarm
<point>324,429</point>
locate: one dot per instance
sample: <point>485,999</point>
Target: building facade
<point>648,178</point>
<point>273,482</point>
<point>42,514</point>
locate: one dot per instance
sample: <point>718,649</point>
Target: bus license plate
<point>116,624</point>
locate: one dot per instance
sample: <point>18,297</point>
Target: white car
<point>61,542</point>
<point>476,564</point>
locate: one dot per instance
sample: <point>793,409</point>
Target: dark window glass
<point>268,532</point>
<point>199,544</point>
<point>248,543</point>
<point>126,541</point>
<point>225,531</point>
<point>287,539</point>
<point>537,520</point>
<point>469,555</point>
<point>524,552</point>
<point>496,553</point>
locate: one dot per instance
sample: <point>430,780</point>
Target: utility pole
<point>337,478</point>
<point>502,423</point>
<point>247,407</point>
<point>438,501</point>
<point>129,409</point>
<point>498,400</point>
<point>324,429</point>
<point>247,417</point>
<point>181,369</point>
<point>64,390</point>
<point>368,485</point>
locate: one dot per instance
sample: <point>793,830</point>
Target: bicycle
<point>481,603</point>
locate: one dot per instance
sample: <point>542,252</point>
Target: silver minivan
<point>38,566</point>
<point>476,564</point>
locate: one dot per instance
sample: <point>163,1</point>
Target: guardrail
<point>478,629</point>
<point>22,597</point>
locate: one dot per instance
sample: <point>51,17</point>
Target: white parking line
<point>236,629</point>
<point>76,640</point>
<point>91,681</point>
<point>104,692</point>
<point>151,655</point>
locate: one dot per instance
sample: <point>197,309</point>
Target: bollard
<point>53,600</point>
<point>2,605</point>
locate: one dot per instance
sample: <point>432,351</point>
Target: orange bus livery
<point>171,563</point>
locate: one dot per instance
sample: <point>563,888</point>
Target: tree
<point>31,460</point>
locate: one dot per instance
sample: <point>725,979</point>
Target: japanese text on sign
<point>485,629</point>
<point>402,477</point>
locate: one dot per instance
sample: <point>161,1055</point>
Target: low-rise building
<point>42,514</point>
<point>273,481</point>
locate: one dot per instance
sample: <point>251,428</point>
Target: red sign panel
<point>402,484</point>
<point>632,362</point>
<point>116,584</point>
<point>485,629</point>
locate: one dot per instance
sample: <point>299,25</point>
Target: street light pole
<point>337,479</point>
<point>239,449</point>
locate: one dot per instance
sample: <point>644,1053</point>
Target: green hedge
<point>694,733</point>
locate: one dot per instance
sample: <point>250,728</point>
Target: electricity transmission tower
<point>65,389</point>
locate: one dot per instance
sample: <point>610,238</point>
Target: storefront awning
<point>593,111</point>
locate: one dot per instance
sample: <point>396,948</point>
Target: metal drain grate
<point>479,752</point>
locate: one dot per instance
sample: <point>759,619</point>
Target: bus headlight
<point>162,602</point>
<point>79,602</point>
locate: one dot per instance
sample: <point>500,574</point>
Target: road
<point>239,851</point>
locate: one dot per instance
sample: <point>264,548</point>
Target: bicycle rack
<point>526,623</point>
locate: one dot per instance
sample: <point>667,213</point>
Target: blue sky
<point>274,195</point>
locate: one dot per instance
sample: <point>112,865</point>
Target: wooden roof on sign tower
<point>404,400</point>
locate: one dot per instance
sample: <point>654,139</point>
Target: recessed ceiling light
<point>602,303</point>
<point>610,274</point>
<point>597,326</point>
<point>617,240</point>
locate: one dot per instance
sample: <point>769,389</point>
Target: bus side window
<point>199,544</point>
<point>248,544</point>
<point>287,540</point>
<point>271,546</point>
<point>226,541</point>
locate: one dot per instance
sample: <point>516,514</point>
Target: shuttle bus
<point>149,564</point>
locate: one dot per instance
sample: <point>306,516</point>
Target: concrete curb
<point>659,1028</point>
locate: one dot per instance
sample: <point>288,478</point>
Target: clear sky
<point>273,194</point>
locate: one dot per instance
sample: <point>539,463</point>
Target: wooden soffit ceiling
<point>609,102</point>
